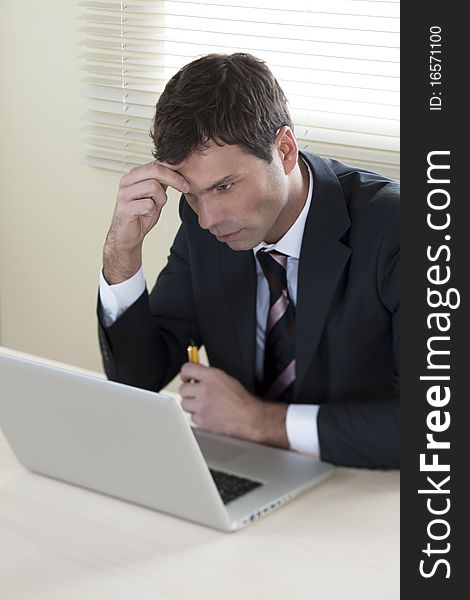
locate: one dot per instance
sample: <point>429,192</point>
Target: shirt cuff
<point>116,299</point>
<point>302,429</point>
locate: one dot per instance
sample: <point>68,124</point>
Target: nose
<point>207,215</point>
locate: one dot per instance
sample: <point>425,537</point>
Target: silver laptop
<point>138,446</point>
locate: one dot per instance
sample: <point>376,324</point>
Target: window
<point>338,63</point>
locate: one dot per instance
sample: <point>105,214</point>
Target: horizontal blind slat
<point>194,26</point>
<point>177,44</point>
<point>123,121</point>
<point>108,131</point>
<point>302,7</point>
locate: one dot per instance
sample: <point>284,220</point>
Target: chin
<point>239,245</point>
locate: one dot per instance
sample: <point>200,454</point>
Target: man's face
<point>238,197</point>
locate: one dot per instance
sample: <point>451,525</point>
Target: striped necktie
<point>279,356</point>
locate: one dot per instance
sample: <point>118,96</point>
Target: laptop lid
<point>116,439</point>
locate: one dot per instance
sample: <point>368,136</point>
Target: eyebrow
<point>220,182</point>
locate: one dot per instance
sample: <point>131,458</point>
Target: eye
<point>224,187</point>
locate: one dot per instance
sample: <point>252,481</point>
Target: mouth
<point>229,236</point>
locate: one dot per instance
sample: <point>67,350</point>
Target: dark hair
<point>227,98</point>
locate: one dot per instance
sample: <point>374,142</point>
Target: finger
<point>188,390</point>
<point>144,189</point>
<point>173,167</point>
<point>155,161</point>
<point>194,371</point>
<point>189,405</point>
<point>158,171</point>
<point>145,207</point>
<point>198,420</point>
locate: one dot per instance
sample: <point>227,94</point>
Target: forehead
<point>203,168</point>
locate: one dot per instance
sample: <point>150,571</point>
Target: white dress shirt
<point>301,419</point>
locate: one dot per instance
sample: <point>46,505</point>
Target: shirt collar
<point>291,241</point>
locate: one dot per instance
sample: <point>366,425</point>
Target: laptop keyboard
<point>232,487</point>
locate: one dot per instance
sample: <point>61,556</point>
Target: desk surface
<point>59,542</point>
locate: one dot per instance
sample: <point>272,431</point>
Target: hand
<point>140,199</point>
<point>219,403</point>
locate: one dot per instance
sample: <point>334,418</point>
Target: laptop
<point>139,446</point>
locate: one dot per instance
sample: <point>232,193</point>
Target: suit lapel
<point>239,274</point>
<point>322,261</point>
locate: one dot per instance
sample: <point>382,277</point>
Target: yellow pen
<point>193,356</point>
<point>193,353</point>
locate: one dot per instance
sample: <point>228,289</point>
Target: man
<point>285,267</point>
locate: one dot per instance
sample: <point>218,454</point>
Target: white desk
<point>60,542</point>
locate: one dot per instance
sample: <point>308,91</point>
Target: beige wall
<point>54,211</point>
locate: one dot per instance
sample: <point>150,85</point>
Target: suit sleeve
<point>146,346</point>
<point>366,434</point>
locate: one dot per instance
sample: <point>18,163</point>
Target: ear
<point>286,145</point>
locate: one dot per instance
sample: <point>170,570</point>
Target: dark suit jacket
<point>347,314</point>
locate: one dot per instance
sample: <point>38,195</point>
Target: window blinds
<point>337,62</point>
